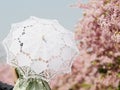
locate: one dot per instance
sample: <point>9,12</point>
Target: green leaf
<point>118,75</point>
<point>85,85</point>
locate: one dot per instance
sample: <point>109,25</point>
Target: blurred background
<point>97,29</point>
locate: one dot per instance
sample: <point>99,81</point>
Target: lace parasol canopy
<point>40,47</point>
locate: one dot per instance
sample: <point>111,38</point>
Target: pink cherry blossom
<point>6,74</point>
<point>97,34</point>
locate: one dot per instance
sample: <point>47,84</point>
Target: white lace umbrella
<point>40,47</point>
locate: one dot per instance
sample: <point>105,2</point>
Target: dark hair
<point>4,86</point>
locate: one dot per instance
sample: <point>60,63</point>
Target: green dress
<point>30,83</point>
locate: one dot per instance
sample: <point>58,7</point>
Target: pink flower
<point>97,67</point>
<point>6,74</point>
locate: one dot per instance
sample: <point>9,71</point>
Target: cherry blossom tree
<point>98,38</point>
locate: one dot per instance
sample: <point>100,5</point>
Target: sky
<point>13,11</point>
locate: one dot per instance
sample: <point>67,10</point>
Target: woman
<point>21,83</point>
<point>10,76</point>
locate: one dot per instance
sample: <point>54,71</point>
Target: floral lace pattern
<point>40,47</point>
